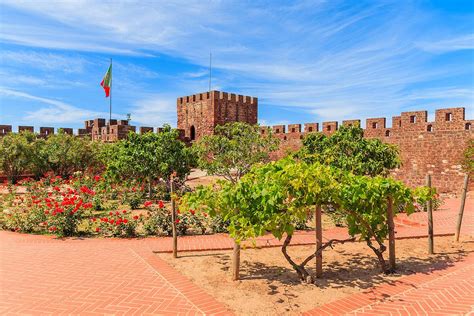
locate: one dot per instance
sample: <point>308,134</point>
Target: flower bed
<point>89,205</point>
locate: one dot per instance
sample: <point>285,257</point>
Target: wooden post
<point>236,262</point>
<point>173,218</point>
<point>430,219</point>
<point>319,241</point>
<point>391,234</point>
<point>461,209</point>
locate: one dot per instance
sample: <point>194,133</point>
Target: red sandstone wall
<point>204,111</point>
<point>434,148</point>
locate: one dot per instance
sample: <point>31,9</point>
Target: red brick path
<point>441,292</point>
<point>43,275</point>
<point>40,275</point>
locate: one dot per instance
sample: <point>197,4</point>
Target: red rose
<point>161,204</point>
<point>148,203</point>
<point>177,221</point>
<point>125,221</point>
<point>135,217</point>
<point>124,211</point>
<point>192,212</point>
<point>111,213</point>
<point>97,229</point>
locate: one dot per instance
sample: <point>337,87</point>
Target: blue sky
<point>307,61</point>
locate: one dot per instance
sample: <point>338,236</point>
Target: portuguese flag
<point>107,81</point>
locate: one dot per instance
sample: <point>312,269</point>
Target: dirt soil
<point>269,286</point>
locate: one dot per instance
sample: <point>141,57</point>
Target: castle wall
<point>434,148</point>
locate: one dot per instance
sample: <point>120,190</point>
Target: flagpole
<point>210,70</point>
<point>110,100</point>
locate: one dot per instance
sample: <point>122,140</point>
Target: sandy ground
<point>270,287</point>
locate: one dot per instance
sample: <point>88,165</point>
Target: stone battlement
<point>450,119</point>
<point>99,129</point>
<point>426,147</point>
<point>217,95</point>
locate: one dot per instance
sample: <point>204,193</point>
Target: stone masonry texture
<point>434,148</point>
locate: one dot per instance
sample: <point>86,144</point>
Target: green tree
<point>347,149</point>
<point>233,150</point>
<point>468,161</point>
<point>15,154</point>
<point>273,197</point>
<point>149,157</point>
<point>66,154</point>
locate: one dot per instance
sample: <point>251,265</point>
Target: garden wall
<point>434,148</point>
<point>426,147</point>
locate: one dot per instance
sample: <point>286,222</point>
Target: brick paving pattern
<point>44,275</point>
<point>441,292</point>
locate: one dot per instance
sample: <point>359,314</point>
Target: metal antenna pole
<point>210,70</point>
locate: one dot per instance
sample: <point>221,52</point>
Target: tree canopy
<point>149,157</point>
<point>347,149</point>
<point>233,150</point>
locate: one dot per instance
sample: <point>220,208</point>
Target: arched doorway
<point>192,133</point>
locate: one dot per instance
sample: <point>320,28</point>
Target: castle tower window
<point>429,128</point>
<point>374,125</point>
<point>192,133</point>
<point>449,117</point>
<point>328,128</point>
<point>310,129</point>
<point>293,130</point>
<point>412,118</point>
<point>468,126</point>
<point>277,130</point>
<point>387,133</point>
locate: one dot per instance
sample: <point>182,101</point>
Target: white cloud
<point>56,112</point>
<point>154,110</point>
<point>44,61</point>
<point>328,59</point>
<point>464,42</point>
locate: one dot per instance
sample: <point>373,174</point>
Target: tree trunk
<point>429,210</point>
<point>379,254</point>
<point>319,242</point>
<point>300,270</point>
<point>173,221</point>
<point>236,262</point>
<point>461,208</point>
<point>391,235</point>
<point>149,187</point>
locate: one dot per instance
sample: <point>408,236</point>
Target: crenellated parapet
<point>98,129</point>
<point>200,113</point>
<point>426,147</point>
<point>451,119</point>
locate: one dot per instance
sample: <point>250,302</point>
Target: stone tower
<point>199,114</point>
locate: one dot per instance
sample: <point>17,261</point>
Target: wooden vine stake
<point>236,262</point>
<point>173,217</point>
<point>461,209</point>
<point>391,234</point>
<point>430,219</point>
<point>319,242</point>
